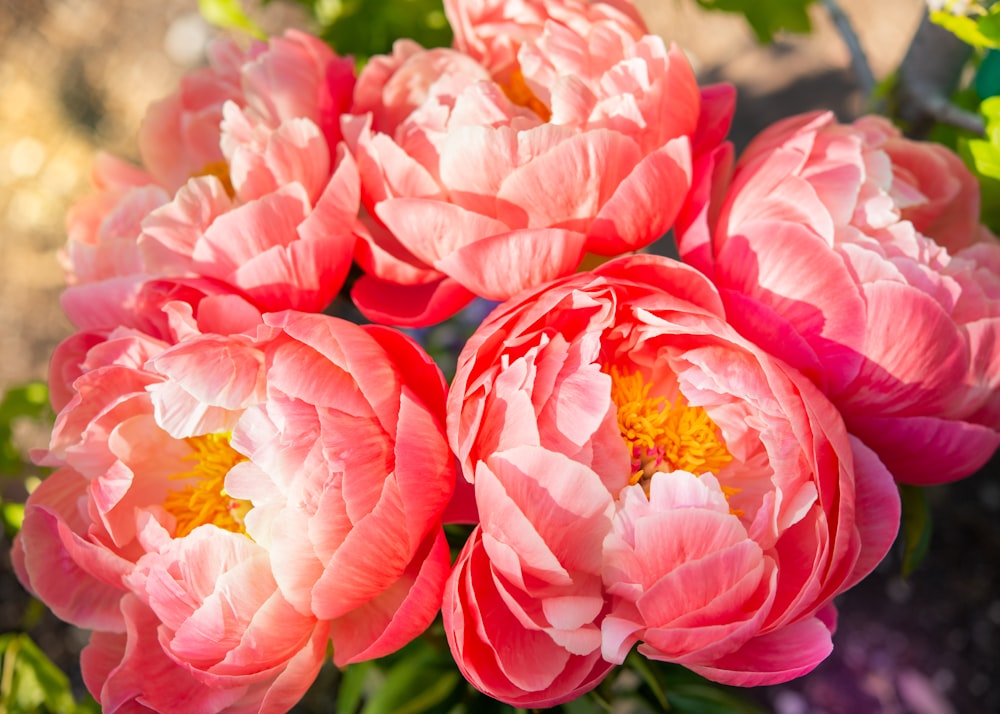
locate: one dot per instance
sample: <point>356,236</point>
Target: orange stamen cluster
<point>662,437</point>
<point>203,499</point>
<point>518,91</point>
<point>219,169</point>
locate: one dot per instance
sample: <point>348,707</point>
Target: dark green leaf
<point>363,28</point>
<point>916,526</point>
<point>415,683</point>
<point>685,692</point>
<point>641,666</point>
<point>351,687</point>
<point>988,75</point>
<point>767,17</point>
<point>708,698</point>
<point>584,705</point>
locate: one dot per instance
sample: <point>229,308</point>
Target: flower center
<point>219,169</point>
<point>518,91</point>
<point>665,437</point>
<point>203,499</point>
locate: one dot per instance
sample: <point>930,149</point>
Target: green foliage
<point>363,28</point>
<point>28,401</point>
<point>983,157</point>
<point>767,17</point>
<point>915,528</point>
<point>979,30</point>
<point>675,689</point>
<point>987,81</point>
<point>229,15</point>
<point>422,679</point>
<point>419,678</point>
<point>12,516</point>
<point>30,682</point>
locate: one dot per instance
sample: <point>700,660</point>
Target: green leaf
<point>985,157</point>
<point>422,679</point>
<point>916,526</point>
<point>29,681</point>
<point>641,666</point>
<point>27,401</point>
<point>229,15</point>
<point>982,155</point>
<point>988,75</point>
<point>12,515</point>
<point>584,705</point>
<point>978,31</point>
<point>363,28</point>
<point>351,688</point>
<point>767,17</point>
<point>708,699</point>
<point>681,691</point>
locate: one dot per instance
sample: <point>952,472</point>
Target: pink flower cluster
<point>692,458</point>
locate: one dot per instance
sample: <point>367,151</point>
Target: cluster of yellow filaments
<point>517,90</point>
<point>203,499</point>
<point>220,169</point>
<point>665,437</point>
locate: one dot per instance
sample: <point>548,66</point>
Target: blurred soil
<point>76,77</point>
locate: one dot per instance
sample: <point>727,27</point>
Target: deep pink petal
<point>409,305</point>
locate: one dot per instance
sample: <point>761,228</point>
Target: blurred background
<point>76,77</point>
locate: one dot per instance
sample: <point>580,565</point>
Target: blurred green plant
<point>915,527</point>
<point>422,679</point>
<point>30,683</point>
<point>983,157</point>
<point>767,17</point>
<point>978,24</point>
<point>363,28</point>
<point>230,15</point>
<point>360,28</point>
<point>26,402</point>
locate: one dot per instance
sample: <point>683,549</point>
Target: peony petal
<point>499,266</point>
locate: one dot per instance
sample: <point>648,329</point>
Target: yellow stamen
<point>664,438</point>
<point>518,91</point>
<point>219,169</point>
<point>204,499</point>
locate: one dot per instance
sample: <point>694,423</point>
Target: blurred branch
<point>928,77</point>
<point>859,61</point>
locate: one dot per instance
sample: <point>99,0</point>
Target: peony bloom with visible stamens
<point>243,180</point>
<point>489,177</point>
<point>232,496</point>
<point>857,255</point>
<point>646,475</point>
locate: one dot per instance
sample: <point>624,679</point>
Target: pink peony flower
<point>857,256</point>
<point>493,31</point>
<point>575,137</point>
<point>244,181</point>
<point>645,474</point>
<point>254,486</point>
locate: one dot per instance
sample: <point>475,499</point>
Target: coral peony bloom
<point>492,31</point>
<point>255,486</point>
<point>487,179</point>
<point>645,474</point>
<point>244,181</point>
<point>857,256</point>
